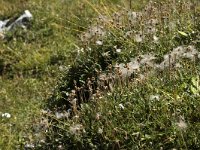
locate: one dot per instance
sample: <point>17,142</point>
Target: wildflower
<point>103,77</point>
<point>178,51</point>
<point>74,102</point>
<point>29,146</point>
<point>98,115</point>
<point>100,130</point>
<point>182,124</point>
<point>138,38</point>
<point>155,38</point>
<point>62,68</point>
<point>153,22</point>
<point>133,65</point>
<point>121,66</point>
<point>124,72</point>
<point>75,129</point>
<point>58,115</point>
<point>76,116</point>
<point>188,55</point>
<point>118,50</point>
<point>154,97</point>
<point>147,59</point>
<point>173,56</point>
<point>61,115</point>
<point>6,115</point>
<point>60,147</point>
<point>99,42</point>
<point>121,106</point>
<point>132,16</point>
<point>190,52</point>
<point>151,30</point>
<point>178,65</point>
<point>128,34</point>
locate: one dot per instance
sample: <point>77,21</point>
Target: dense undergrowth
<point>160,112</point>
<point>119,36</point>
<point>122,114</point>
<point>128,75</point>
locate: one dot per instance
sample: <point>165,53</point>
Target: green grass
<point>23,99</point>
<point>41,67</point>
<point>29,64</point>
<point>130,118</point>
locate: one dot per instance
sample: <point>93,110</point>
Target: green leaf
<point>195,88</point>
<point>183,33</point>
<point>195,82</point>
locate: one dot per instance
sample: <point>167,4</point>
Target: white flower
<point>151,30</point>
<point>121,106</point>
<point>124,72</point>
<point>128,34</point>
<point>134,65</point>
<point>182,124</point>
<point>75,129</point>
<point>62,115</point>
<point>147,59</point>
<point>178,51</point>
<point>132,16</point>
<point>6,115</point>
<point>190,52</point>
<point>98,115</point>
<point>118,50</point>
<point>178,65</point>
<point>29,146</point>
<point>60,147</point>
<point>100,130</point>
<point>62,68</point>
<point>155,38</point>
<point>138,38</point>
<point>188,55</point>
<point>154,97</point>
<point>121,66</point>
<point>59,115</point>
<point>74,102</point>
<point>76,116</point>
<point>99,42</point>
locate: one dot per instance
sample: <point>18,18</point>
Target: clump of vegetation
<point>119,36</point>
<point>149,107</point>
<point>159,112</point>
<point>30,62</point>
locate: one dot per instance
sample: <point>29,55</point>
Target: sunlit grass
<point>61,54</point>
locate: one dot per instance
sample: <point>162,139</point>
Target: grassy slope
<point>128,117</point>
<point>31,60</point>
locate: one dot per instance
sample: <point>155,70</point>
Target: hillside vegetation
<point>101,74</point>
